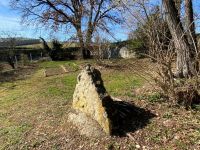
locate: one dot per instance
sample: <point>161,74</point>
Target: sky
<point>10,22</point>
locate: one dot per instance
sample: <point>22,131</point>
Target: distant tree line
<point>5,42</point>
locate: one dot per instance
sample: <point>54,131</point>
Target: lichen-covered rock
<point>89,96</point>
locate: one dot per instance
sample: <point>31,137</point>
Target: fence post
<point>31,57</point>
<point>16,61</point>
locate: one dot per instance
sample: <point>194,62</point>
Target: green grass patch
<point>61,86</point>
<point>168,115</point>
<point>120,84</point>
<point>55,64</point>
<point>72,63</point>
<point>196,107</point>
<point>153,98</point>
<point>181,145</point>
<point>12,135</point>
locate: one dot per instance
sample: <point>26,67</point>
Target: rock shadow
<point>126,117</point>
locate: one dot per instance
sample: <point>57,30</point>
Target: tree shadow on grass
<point>126,117</point>
<point>17,74</point>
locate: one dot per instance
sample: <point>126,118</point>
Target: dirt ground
<point>34,108</point>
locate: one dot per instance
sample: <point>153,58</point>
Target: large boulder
<point>90,97</point>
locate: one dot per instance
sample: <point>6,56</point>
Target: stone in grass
<point>53,71</point>
<point>88,98</point>
<point>86,125</point>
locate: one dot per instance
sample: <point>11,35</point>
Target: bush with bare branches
<point>160,32</point>
<point>179,90</point>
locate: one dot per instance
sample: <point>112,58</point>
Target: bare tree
<point>184,63</point>
<point>166,39</point>
<point>102,47</point>
<point>147,18</point>
<point>190,26</point>
<point>85,16</point>
<point>149,22</point>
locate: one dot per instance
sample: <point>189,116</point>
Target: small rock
<point>85,125</point>
<point>137,146</point>
<point>177,137</point>
<point>168,123</point>
<point>145,148</point>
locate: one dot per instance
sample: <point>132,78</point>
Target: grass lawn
<point>33,113</point>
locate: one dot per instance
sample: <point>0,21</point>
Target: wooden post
<point>16,61</point>
<point>31,57</point>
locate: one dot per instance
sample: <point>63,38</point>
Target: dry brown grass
<point>33,114</point>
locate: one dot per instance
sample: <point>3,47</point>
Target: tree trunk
<point>45,46</point>
<point>89,35</point>
<point>83,47</point>
<point>88,40</point>
<point>81,42</point>
<point>90,29</point>
<point>184,63</point>
<point>190,26</point>
<point>178,6</point>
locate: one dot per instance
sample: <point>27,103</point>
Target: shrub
<point>57,52</point>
